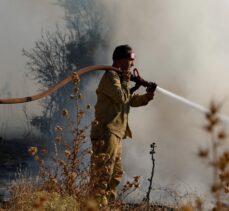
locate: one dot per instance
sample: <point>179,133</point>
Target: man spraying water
<point>111,123</point>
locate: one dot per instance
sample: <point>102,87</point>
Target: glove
<point>151,87</point>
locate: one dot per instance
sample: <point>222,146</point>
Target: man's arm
<point>137,100</point>
<point>141,100</point>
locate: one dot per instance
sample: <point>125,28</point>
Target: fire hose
<point>59,85</point>
<point>135,77</point>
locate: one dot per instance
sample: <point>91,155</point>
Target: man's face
<point>126,64</point>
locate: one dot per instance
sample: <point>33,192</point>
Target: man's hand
<point>126,75</point>
<point>151,89</point>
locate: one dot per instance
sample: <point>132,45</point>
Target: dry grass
<point>66,186</point>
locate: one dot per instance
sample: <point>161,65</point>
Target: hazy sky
<point>181,44</point>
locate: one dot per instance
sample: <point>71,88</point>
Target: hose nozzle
<point>139,81</point>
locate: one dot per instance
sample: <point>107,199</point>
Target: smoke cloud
<point>183,46</point>
<point>21,25</point>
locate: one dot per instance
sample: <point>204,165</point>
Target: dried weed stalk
<point>66,184</point>
<point>69,174</point>
<point>217,156</point>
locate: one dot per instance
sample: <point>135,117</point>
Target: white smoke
<point>183,46</point>
<point>21,24</point>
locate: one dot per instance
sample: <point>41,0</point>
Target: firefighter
<point>111,124</point>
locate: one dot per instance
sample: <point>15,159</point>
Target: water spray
<point>141,82</point>
<point>135,77</point>
<point>191,104</point>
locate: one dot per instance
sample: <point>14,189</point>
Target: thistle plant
<point>70,175</point>
<point>217,156</point>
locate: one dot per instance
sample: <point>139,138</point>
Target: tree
<point>57,54</point>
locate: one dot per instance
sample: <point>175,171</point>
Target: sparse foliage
<point>57,54</point>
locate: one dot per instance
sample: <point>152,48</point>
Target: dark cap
<point>123,52</point>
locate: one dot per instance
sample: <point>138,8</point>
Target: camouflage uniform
<point>111,117</point>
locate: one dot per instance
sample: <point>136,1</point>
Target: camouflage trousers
<point>106,165</point>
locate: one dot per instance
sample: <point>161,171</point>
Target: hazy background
<point>181,44</point>
<point>21,24</point>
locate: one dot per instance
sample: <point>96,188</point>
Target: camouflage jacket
<point>113,105</point>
